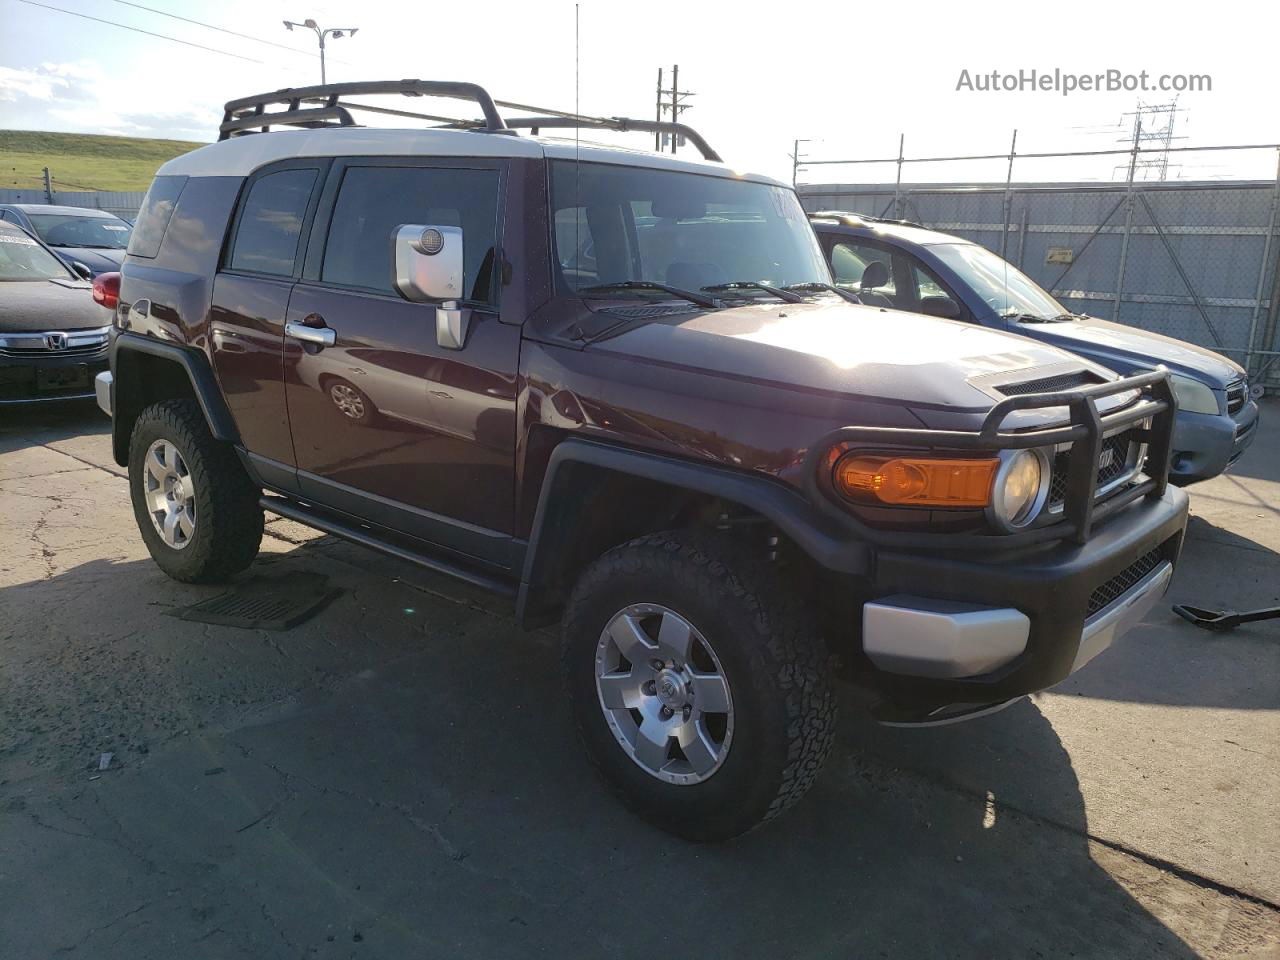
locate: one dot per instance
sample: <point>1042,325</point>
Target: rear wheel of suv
<point>699,687</point>
<point>195,506</point>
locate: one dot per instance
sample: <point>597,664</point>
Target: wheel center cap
<point>670,688</point>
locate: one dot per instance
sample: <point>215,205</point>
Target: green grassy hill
<point>81,161</point>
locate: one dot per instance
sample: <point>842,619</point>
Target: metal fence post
<point>1128,223</point>
<point>1008,182</point>
<point>897,184</point>
<point>48,187</point>
<point>1262,271</point>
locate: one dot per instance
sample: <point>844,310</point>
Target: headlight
<point>1020,488</point>
<point>1192,395</point>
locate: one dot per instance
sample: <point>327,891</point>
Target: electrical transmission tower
<point>670,102</point>
<point>1153,123</point>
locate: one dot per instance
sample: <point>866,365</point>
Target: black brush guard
<point>1084,431</point>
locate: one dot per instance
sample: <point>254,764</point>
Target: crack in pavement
<point>71,948</point>
<point>454,854</point>
<point>1186,874</point>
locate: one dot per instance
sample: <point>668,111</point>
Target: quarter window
<point>373,202</point>
<point>153,218</point>
<point>271,222</point>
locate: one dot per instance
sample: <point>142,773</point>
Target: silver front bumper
<point>922,637</point>
<point>102,390</point>
<point>1109,624</point>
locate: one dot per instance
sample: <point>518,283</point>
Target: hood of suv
<point>847,349</point>
<point>1127,348</point>
<point>35,306</point>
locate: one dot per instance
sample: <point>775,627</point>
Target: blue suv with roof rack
<point>903,266</point>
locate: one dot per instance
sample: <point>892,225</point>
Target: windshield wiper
<point>786,295</point>
<point>689,295</point>
<point>1036,318</point>
<point>815,285</point>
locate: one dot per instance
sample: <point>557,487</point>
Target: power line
<point>123,26</point>
<point>210,26</point>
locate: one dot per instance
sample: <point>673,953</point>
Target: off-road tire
<point>228,529</point>
<point>772,656</point>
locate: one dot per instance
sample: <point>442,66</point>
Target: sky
<point>848,78</point>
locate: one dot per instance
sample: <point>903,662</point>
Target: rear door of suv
<point>387,425</point>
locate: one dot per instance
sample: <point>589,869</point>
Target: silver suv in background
<point>907,267</point>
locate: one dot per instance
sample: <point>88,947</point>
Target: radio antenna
<point>577,135</point>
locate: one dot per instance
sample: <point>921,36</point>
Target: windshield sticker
<point>10,238</point>
<point>114,226</point>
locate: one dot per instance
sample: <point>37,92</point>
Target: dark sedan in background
<point>95,238</point>
<point>906,267</point>
<point>53,335</point>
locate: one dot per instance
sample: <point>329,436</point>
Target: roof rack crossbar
<point>622,125</point>
<point>302,117</point>
<point>234,110</point>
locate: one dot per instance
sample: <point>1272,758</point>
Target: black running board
<point>328,523</point>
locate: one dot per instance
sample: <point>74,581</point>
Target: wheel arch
<point>595,496</point>
<point>145,371</point>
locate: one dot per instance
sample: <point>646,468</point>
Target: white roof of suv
<point>240,156</point>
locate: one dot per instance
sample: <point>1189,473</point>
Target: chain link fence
<point>1191,259</point>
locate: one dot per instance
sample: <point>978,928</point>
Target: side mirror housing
<point>82,269</point>
<point>943,307</point>
<point>428,262</point>
<point>428,265</point>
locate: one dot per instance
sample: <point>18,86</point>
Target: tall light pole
<point>321,33</point>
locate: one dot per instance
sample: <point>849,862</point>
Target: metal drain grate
<point>265,603</point>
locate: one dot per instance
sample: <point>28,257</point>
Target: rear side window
<point>271,219</point>
<point>153,218</point>
<point>374,201</point>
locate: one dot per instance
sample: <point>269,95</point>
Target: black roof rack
<point>325,106</point>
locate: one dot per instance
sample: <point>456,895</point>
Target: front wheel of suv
<point>195,506</point>
<point>699,686</point>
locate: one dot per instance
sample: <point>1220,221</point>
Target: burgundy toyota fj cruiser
<point>620,388</point>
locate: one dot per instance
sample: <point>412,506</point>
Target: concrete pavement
<point>398,777</point>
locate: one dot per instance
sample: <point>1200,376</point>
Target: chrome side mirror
<point>428,262</point>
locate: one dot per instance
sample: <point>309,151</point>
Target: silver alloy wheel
<point>348,400</point>
<point>170,494</point>
<point>664,693</point>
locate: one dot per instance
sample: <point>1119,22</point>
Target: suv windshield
<point>21,258</point>
<point>1008,290</point>
<point>691,231</point>
<point>63,230</point>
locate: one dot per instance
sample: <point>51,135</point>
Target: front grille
<point>1113,464</point>
<point>1124,581</point>
<point>54,343</point>
<point>1236,395</point>
<point>80,351</point>
<point>1063,381</point>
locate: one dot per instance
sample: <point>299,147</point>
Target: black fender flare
<point>127,393</point>
<point>783,506</point>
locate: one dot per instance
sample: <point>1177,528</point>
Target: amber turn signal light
<point>915,481</point>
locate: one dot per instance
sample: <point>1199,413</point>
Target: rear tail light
<point>106,289</point>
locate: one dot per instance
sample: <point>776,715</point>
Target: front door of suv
<point>388,425</point>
